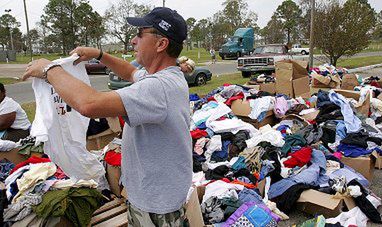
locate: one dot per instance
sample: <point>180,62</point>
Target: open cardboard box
<point>364,165</point>
<point>349,81</point>
<point>242,109</point>
<point>267,87</point>
<point>292,78</point>
<point>14,156</point>
<point>364,108</point>
<point>315,202</point>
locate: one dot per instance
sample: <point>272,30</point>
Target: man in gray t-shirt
<point>156,143</point>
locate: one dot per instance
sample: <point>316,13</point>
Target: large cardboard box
<point>364,109</point>
<point>378,161</point>
<point>242,109</point>
<point>349,81</point>
<point>363,165</point>
<point>14,156</point>
<point>315,202</point>
<point>292,78</point>
<point>267,87</point>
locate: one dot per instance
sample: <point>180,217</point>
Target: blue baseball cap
<point>165,20</point>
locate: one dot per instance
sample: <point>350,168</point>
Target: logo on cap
<point>164,25</point>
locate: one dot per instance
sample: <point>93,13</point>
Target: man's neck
<point>159,64</point>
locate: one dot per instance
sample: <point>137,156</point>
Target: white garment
<point>8,105</point>
<point>215,144</point>
<point>212,166</point>
<point>63,129</point>
<point>220,189</point>
<point>71,183</point>
<point>260,105</point>
<point>12,178</point>
<point>37,173</point>
<point>307,111</point>
<point>7,145</point>
<point>268,134</point>
<point>232,125</point>
<point>220,111</point>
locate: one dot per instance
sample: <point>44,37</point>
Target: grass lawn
<point>359,61</point>
<point>30,109</point>
<point>216,82</point>
<point>7,80</point>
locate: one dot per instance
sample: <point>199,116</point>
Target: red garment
<point>31,160</point>
<point>113,158</point>
<point>197,133</point>
<point>121,121</point>
<point>233,98</point>
<point>375,84</point>
<point>212,98</point>
<point>227,84</point>
<point>60,174</point>
<point>299,158</point>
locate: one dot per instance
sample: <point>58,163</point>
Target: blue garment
<point>200,103</point>
<point>352,122</point>
<point>261,116</point>
<point>249,195</point>
<point>352,150</point>
<point>377,149</point>
<point>266,168</point>
<point>2,133</point>
<point>202,126</point>
<point>194,97</point>
<point>341,129</point>
<point>239,164</point>
<point>222,155</point>
<point>350,174</point>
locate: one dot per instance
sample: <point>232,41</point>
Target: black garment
<point>233,151</point>
<point>96,127</point>
<point>296,109</point>
<point>259,95</point>
<point>3,204</point>
<point>333,225</point>
<point>322,98</point>
<point>272,154</point>
<point>365,205</point>
<point>329,132</point>
<point>197,162</point>
<point>329,112</point>
<point>15,134</point>
<point>286,201</point>
<point>360,139</point>
<point>240,138</point>
<point>229,206</point>
<point>226,136</point>
<point>245,173</point>
<point>217,173</point>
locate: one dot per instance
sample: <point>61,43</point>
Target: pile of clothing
<point>38,192</point>
<point>327,76</point>
<point>232,157</point>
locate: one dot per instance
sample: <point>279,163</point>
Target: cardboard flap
<point>241,107</point>
<point>319,198</point>
<point>301,87</point>
<point>193,210</point>
<point>349,81</point>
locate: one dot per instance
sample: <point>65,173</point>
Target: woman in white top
<point>14,123</point>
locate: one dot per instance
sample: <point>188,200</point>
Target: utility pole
<point>311,41</point>
<point>164,3</point>
<point>29,37</point>
<point>10,29</point>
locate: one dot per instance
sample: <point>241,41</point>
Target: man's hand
<point>85,53</point>
<point>36,68</point>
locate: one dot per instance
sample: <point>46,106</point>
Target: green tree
<point>273,32</point>
<point>289,13</point>
<point>8,24</point>
<point>200,31</point>
<point>116,23</point>
<point>377,33</point>
<point>190,26</point>
<point>343,29</point>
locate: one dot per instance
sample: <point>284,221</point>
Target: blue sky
<point>187,8</point>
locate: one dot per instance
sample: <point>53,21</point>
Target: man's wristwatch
<point>49,67</point>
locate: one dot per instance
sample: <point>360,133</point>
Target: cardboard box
<point>364,109</point>
<point>315,202</point>
<point>13,156</point>
<point>330,81</point>
<point>378,161</point>
<point>292,78</point>
<point>242,109</point>
<point>267,87</point>
<point>311,116</point>
<point>113,173</point>
<point>349,81</point>
<point>363,165</point>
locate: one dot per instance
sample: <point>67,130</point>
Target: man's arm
<point>122,68</point>
<point>83,98</point>
<point>6,120</point>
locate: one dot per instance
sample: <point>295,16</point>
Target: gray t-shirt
<point>156,143</point>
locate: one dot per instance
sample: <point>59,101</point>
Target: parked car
<point>263,59</point>
<point>95,66</point>
<point>199,77</point>
<point>298,49</point>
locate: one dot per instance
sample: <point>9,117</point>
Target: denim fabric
<point>349,174</point>
<point>266,168</point>
<point>341,129</point>
<point>248,195</point>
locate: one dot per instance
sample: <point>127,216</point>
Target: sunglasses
<point>142,31</point>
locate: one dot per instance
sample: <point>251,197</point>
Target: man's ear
<point>162,44</point>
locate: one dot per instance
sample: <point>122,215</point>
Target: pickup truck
<point>263,59</point>
<point>298,49</point>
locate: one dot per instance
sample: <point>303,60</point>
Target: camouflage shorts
<point>139,218</point>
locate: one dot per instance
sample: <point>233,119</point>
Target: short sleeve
<point>8,106</point>
<point>138,75</point>
<point>145,102</point>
